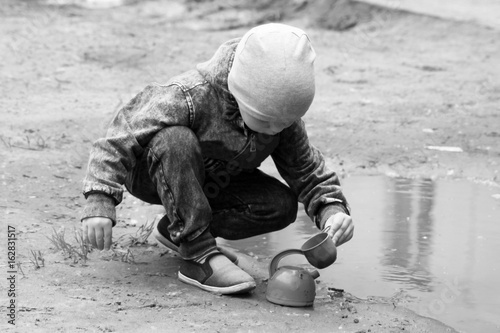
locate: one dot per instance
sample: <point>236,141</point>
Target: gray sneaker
<point>216,274</point>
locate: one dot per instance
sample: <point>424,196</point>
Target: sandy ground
<point>393,93</point>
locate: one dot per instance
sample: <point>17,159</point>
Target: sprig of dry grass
<point>139,238</point>
<point>124,255</point>
<point>37,259</point>
<point>78,252</point>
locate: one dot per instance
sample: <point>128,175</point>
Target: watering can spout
<point>314,273</point>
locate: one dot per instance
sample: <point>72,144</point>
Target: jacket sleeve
<point>303,167</point>
<point>113,156</point>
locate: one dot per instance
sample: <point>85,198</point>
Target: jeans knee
<point>177,142</point>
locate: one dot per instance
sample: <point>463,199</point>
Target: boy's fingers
<point>107,238</point>
<point>99,236</point>
<point>343,225</point>
<point>330,232</point>
<point>336,237</point>
<point>347,235</point>
<point>91,235</point>
<point>333,224</point>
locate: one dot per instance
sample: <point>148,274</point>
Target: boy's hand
<point>98,232</point>
<point>340,228</point>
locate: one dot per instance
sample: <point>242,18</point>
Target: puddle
<point>429,245</point>
<point>433,240</point>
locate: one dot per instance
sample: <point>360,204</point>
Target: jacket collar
<point>216,71</point>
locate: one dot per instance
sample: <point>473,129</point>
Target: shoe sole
<point>240,288</point>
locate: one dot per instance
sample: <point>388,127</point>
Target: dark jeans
<point>237,204</point>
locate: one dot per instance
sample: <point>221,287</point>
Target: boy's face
<point>263,126</point>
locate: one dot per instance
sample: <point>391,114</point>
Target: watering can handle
<point>273,267</point>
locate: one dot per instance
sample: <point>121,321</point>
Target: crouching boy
<point>194,145</point>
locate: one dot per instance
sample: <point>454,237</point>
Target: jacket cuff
<point>329,210</point>
<point>100,205</point>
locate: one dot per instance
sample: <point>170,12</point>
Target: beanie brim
<point>249,109</point>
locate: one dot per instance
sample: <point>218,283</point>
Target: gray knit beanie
<point>272,76</point>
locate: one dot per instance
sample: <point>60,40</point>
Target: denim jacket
<point>199,99</point>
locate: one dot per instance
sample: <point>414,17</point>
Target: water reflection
<point>408,232</point>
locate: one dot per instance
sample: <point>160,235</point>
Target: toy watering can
<point>295,286</point>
